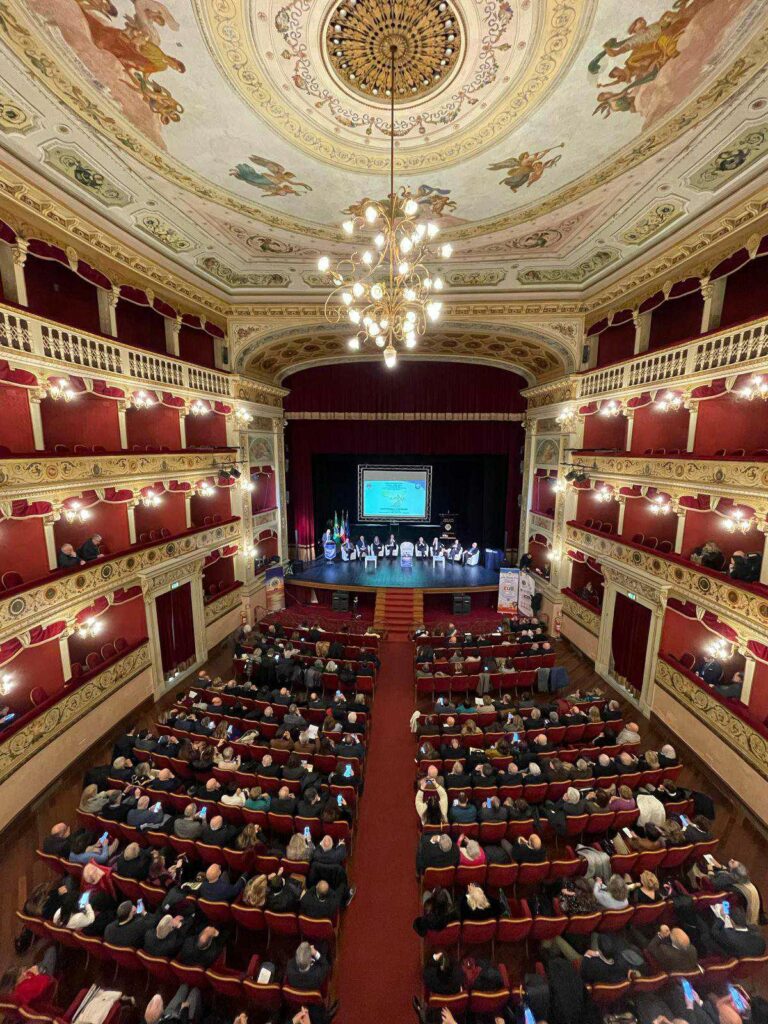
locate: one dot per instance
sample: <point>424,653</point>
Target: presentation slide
<point>390,493</point>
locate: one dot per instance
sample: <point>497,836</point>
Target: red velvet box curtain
<point>367,387</point>
<point>175,626</point>
<point>629,639</point>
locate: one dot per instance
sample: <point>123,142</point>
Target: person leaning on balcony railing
<point>68,558</point>
<point>89,549</point>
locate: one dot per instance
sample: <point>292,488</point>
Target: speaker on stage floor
<point>340,601</point>
<point>462,604</point>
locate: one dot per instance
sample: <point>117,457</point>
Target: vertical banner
<point>527,590</point>
<point>509,588</point>
<point>275,585</point>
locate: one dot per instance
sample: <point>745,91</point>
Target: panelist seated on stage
<point>376,548</point>
<point>422,548</point>
<point>472,555</point>
<point>348,551</point>
<point>362,547</point>
<point>436,547</point>
<point>454,552</point>
<point>391,549</point>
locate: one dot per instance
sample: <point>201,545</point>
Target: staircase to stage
<point>397,610</point>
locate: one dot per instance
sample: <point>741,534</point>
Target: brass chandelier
<point>384,289</point>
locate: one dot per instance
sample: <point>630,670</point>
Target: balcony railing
<point>23,609</point>
<point>580,611</point>
<point>733,349</point>
<point>745,604</point>
<point>541,524</point>
<point>27,333</point>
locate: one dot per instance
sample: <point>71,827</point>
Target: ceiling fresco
<point>554,141</point>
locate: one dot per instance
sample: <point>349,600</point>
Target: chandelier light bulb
<point>410,294</point>
<point>379,241</point>
<point>367,258</point>
<point>354,316</point>
<point>411,207</point>
<point>371,214</point>
<point>406,244</point>
<point>404,269</point>
<point>374,330</point>
<point>323,264</point>
<point>346,298</point>
<point>432,229</point>
<point>357,289</point>
<point>433,310</point>
<point>377,292</point>
<point>410,340</point>
<point>427,283</point>
<point>446,251</point>
<point>420,231</point>
<point>390,357</point>
<point>348,227</point>
<point>354,343</point>
<point>381,341</point>
<point>384,324</point>
<point>410,316</point>
<point>438,284</point>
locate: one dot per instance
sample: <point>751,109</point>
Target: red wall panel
<point>638,518</point>
<point>655,429</point>
<point>206,431</point>
<point>746,294</point>
<point>758,698</point>
<point>15,419</point>
<point>169,513</point>
<point>157,426</point>
<point>217,504</point>
<point>605,432</point>
<point>22,548</point>
<point>676,320</point>
<point>57,292</point>
<point>730,422</point>
<point>108,519</point>
<point>140,326</point>
<point>616,343</point>
<point>35,666</point>
<point>87,419</point>
<point>701,527</point>
<point>195,346</point>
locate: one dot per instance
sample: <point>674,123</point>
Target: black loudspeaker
<point>462,604</point>
<point>298,565</point>
<point>340,601</point>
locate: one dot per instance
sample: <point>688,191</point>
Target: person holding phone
<point>673,950</point>
<point>75,913</point>
<point>130,925</point>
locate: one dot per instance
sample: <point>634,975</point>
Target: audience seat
<point>11,579</point>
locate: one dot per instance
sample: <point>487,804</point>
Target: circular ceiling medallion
<point>424,36</point>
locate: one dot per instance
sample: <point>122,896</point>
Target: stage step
<point>396,610</point>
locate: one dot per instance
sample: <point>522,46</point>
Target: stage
<point>449,578</point>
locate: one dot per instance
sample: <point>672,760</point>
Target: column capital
<point>20,249</point>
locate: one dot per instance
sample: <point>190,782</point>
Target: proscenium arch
<point>560,357</point>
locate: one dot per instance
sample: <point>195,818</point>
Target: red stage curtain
<point>629,639</point>
<point>176,626</point>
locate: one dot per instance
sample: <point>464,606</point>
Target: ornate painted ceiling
<point>557,141</point>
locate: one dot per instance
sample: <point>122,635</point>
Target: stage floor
<point>340,575</point>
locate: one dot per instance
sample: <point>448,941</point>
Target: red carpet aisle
<point>379,957</point>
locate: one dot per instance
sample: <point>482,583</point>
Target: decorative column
<point>246,516</point>
<point>131,509</point>
<point>122,424</point>
<point>763,527</point>
<point>188,508</point>
<point>278,428</point>
<point>693,418</point>
<point>107,299</point>
<point>630,415</point>
<point>713,293</point>
<point>36,395</point>
<point>183,412</point>
<point>622,500</point>
<point>221,350</point>
<point>680,531</point>
<point>172,328</point>
<point>50,541</point>
<point>12,260</point>
<point>529,426</point>
<point>642,322</point>
<point>66,663</point>
<point>749,678</point>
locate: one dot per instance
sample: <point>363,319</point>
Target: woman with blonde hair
<point>594,714</point>
<point>470,728</point>
<point>255,891</point>
<point>651,759</point>
<point>92,801</point>
<point>250,837</point>
<point>477,906</point>
<point>299,848</point>
<point>647,890</point>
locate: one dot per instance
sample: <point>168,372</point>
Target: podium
<point>406,555</point>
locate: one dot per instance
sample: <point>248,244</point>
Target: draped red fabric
<point>617,342</point>
<point>629,638</point>
<point>175,626</point>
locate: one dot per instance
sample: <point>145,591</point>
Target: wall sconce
<point>756,388</point>
<point>75,513</point>
<point>611,409</point>
<point>604,495</point>
<point>720,649</point>
<point>199,408</point>
<point>248,485</point>
<point>89,629</point>
<point>150,499</point>
<point>6,684</point>
<point>243,417</point>
<point>559,486</point>
<point>553,556</point>
<point>671,402</point>
<point>250,551</point>
<point>737,522</point>
<point>141,400</point>
<point>60,389</point>
<point>660,507</point>
<point>205,490</point>
<point>566,419</point>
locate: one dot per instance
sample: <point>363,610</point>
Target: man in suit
<point>189,825</point>
<point>730,934</point>
<point>284,802</point>
<point>217,886</point>
<point>89,549</point>
<point>672,950</point>
<point>58,842</point>
<point>362,549</point>
<point>307,970</point>
<point>129,927</point>
<point>436,851</point>
<point>168,935</point>
<point>454,552</point>
<point>320,901</point>
<point>143,816</point>
<point>283,894</point>
<point>203,950</point>
<point>421,550</point>
<point>218,833</point>
<point>472,555</point>
<point>68,558</point>
<point>134,862</point>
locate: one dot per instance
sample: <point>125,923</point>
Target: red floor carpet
<point>379,956</point>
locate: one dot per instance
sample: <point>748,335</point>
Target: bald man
<point>672,950</point>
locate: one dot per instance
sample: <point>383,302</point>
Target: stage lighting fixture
<point>235,473</point>
<point>571,475</point>
<point>580,478</point>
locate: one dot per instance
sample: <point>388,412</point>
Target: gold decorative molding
<point>585,617</point>
<point>221,605</point>
<point>727,726</point>
<point>677,476</point>
<point>457,417</point>
<point>71,592</point>
<point>18,748</point>
<point>185,572</point>
<point>542,524</point>
<point>563,390</point>
<point>249,390</point>
<point>746,611</point>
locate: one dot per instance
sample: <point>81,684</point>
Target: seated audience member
<point>732,935</point>
<point>462,811</point>
<point>217,886</point>
<point>436,851</point>
<point>168,935</point>
<point>134,862</point>
<point>630,734</point>
<point>189,825</point>
<point>709,555</point>
<point>68,558</point>
<point>672,950</point>
<point>321,901</point>
<point>745,567</point>
<point>438,911</point>
<point>442,974</point>
<point>58,842</point>
<point>129,927</point>
<point>30,986</point>
<point>476,905</point>
<point>431,802</point>
<point>613,895</point>
<point>203,950</point>
<point>307,969</point>
<point>283,894</point>
<point>711,671</point>
<point>89,549</point>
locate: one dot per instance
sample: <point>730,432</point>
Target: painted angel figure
<point>526,168</point>
<point>274,181</point>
